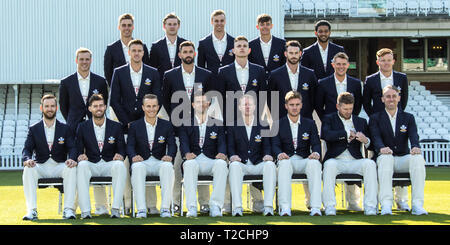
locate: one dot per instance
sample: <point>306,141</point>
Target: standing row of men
<point>227,66</point>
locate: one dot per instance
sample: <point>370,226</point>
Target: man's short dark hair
<point>96,97</point>
<point>149,97</point>
<point>47,97</point>
<point>345,98</point>
<point>322,23</point>
<point>293,43</point>
<point>135,42</point>
<point>187,44</point>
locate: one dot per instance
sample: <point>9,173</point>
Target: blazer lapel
<point>120,52</point>
<point>129,84</point>
<point>91,133</point>
<point>317,50</point>
<point>211,45</point>
<point>57,133</point>
<point>330,46</point>
<point>388,122</point>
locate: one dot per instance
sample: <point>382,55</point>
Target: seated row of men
<point>99,149</point>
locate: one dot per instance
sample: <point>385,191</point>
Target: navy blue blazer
<point>214,142</point>
<point>334,134</point>
<point>173,82</point>
<point>307,138</point>
<point>63,147</point>
<point>312,59</point>
<point>207,56</point>
<point>276,54</point>
<point>164,140</point>
<point>159,55</point>
<point>127,106</point>
<point>254,149</point>
<point>228,81</point>
<point>307,86</point>
<point>383,135</point>
<point>326,95</point>
<point>114,142</point>
<point>71,103</point>
<point>114,58</point>
<point>373,92</point>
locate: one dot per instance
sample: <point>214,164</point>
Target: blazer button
<point>50,155</point>
<point>249,151</point>
<point>101,156</point>
<point>135,108</point>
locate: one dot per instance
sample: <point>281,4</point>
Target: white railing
<point>435,154</point>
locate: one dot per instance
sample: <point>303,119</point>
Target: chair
<point>435,125</point>
<point>442,108</point>
<point>390,8</point>
<point>423,114</point>
<point>287,8</point>
<point>418,98</point>
<point>442,131</point>
<point>422,125</point>
<point>430,108</point>
<point>308,8</point>
<point>413,93</point>
<point>344,7</point>
<point>423,102</point>
<point>418,108</point>
<point>436,102</point>
<point>437,7</point>
<point>447,7</point>
<point>424,7</point>
<point>8,135</point>
<point>425,93</point>
<point>296,7</point>
<point>413,8</point>
<point>412,103</point>
<point>419,88</point>
<point>400,7</point>
<point>333,7</point>
<point>435,113</point>
<point>321,8</point>
<point>429,119</point>
<point>442,119</point>
<point>414,83</point>
<point>446,113</point>
<point>429,131</point>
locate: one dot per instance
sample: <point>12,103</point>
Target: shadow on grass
<point>298,218</point>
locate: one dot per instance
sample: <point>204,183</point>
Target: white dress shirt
<point>293,77</point>
<point>220,45</point>
<point>248,128</point>
<point>324,55</point>
<point>242,75</point>
<point>150,132</point>
<point>100,133</point>
<point>202,131</point>
<point>265,48</point>
<point>188,80</point>
<point>340,86</point>
<point>136,79</point>
<point>386,80</point>
<point>172,48</point>
<point>393,119</point>
<point>294,130</point>
<point>84,85</point>
<point>125,52</point>
<point>50,134</point>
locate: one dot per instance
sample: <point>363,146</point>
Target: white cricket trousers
<point>114,169</point>
<point>237,172</point>
<point>202,165</point>
<point>296,164</point>
<point>152,167</point>
<point>365,167</point>
<point>49,169</point>
<point>388,165</point>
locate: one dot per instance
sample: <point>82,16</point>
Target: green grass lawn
<point>437,203</point>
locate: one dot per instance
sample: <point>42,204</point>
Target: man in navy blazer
<point>203,147</point>
<point>240,77</point>
<point>330,87</point>
<point>391,129</point>
<point>344,133</point>
<point>151,148</point>
<point>130,83</point>
<point>49,152</point>
<point>318,56</point>
<point>374,84</point>
<point>215,50</point>
<point>116,53</point>
<point>292,76</point>
<point>298,150</point>
<point>267,50</point>
<point>101,152</point>
<point>180,82</point>
<point>164,52</point>
<point>250,153</point>
<point>76,89</point>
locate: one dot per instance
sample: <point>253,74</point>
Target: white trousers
<point>49,169</point>
<point>365,167</point>
<point>237,172</point>
<point>114,169</point>
<point>203,165</point>
<point>388,164</point>
<point>296,164</point>
<point>152,167</point>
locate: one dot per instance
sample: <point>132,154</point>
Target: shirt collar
<point>81,77</point>
<point>100,127</point>
<point>185,72</point>
<point>268,43</point>
<point>391,77</point>
<point>132,71</point>
<point>239,67</point>
<point>343,119</point>
<point>215,39</point>
<point>124,46</point>
<point>148,124</point>
<point>51,127</point>
<point>290,71</point>
<point>321,49</point>
<point>338,82</point>
<point>389,114</point>
<point>251,122</point>
<point>198,121</point>
<point>291,122</point>
<point>170,43</point>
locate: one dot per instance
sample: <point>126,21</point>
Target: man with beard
<point>163,53</point>
<point>297,149</point>
<point>131,82</point>
<point>101,149</point>
<point>116,54</point>
<point>51,144</point>
<point>185,78</point>
<point>318,56</point>
<point>344,133</point>
<point>391,129</point>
